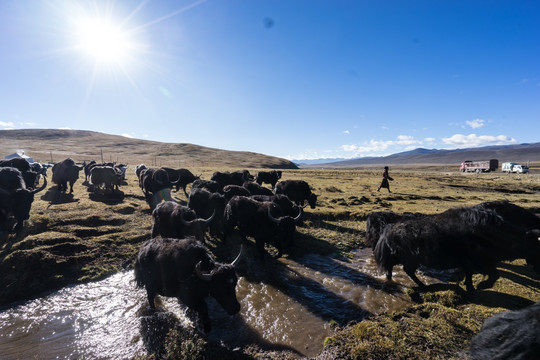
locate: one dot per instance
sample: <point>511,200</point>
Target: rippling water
<point>286,304</point>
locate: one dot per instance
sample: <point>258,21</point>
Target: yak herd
<point>175,262</point>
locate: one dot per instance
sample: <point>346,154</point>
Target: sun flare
<point>104,41</point>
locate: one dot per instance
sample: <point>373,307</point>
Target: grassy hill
<point>44,144</point>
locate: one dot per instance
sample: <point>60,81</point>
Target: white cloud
<point>429,140</point>
<point>347,132</point>
<point>476,123</point>
<point>381,147</point>
<point>368,147</point>
<point>127,135</point>
<point>6,124</point>
<point>473,140</point>
<point>407,140</point>
<point>64,128</point>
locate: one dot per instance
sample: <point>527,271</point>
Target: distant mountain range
<point>520,153</point>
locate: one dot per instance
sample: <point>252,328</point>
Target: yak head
<point>222,282</point>
<point>286,225</point>
<point>196,227</point>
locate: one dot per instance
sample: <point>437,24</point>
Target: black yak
<point>262,220</point>
<point>15,199</point>
<point>509,335</point>
<point>376,222</point>
<point>235,190</point>
<point>154,180</point>
<point>184,269</point>
<point>298,191</point>
<point>231,178</point>
<point>256,189</point>
<point>206,203</point>
<point>474,239</point>
<point>286,205</point>
<point>181,178</point>
<point>268,177</point>
<point>106,177</point>
<point>210,185</point>
<point>65,172</point>
<point>171,219</point>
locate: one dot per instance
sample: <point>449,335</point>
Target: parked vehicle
<point>479,166</point>
<point>512,167</point>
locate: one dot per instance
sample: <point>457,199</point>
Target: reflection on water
<point>291,307</point>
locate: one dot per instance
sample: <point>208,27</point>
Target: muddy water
<point>285,305</point>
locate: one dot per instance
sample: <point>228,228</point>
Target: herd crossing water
<point>285,305</point>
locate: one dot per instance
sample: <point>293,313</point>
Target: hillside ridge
<point>52,145</point>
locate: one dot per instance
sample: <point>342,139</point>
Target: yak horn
<point>239,257</point>
<point>277,221</point>
<point>209,220</point>
<point>184,221</point>
<point>297,218</point>
<point>200,274</point>
<point>41,187</point>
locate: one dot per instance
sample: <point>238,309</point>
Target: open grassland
<point>84,236</point>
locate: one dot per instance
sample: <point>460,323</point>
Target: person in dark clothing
<point>384,182</point>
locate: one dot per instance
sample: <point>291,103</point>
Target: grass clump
<point>443,331</point>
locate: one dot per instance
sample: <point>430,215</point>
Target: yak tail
<point>383,252</point>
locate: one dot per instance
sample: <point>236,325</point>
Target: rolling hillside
<point>55,145</point>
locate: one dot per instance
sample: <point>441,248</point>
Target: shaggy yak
<point>509,335</point>
<point>171,219</point>
<point>184,269</point>
<point>376,222</point>
<point>474,239</point>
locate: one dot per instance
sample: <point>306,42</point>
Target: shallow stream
<point>285,305</point>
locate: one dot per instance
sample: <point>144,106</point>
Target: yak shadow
<point>312,295</point>
<point>523,270</point>
<point>317,222</point>
<point>520,279</point>
<point>336,268</point>
<point>110,198</point>
<point>495,299</point>
<point>56,197</point>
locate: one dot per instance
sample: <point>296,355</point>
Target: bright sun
<point>103,41</point>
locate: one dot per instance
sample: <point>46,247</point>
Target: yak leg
<point>70,187</point>
<point>468,280</point>
<point>259,243</point>
<point>185,192</point>
<point>279,248</point>
<point>410,270</point>
<point>389,273</point>
<point>493,275</point>
<point>202,310</point>
<point>151,295</point>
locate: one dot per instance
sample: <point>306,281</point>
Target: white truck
<point>512,167</point>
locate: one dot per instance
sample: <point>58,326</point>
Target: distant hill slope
<point>518,153</point>
<point>81,145</point>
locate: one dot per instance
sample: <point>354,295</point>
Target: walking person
<point>384,182</point>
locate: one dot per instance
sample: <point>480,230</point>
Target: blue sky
<point>296,79</point>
